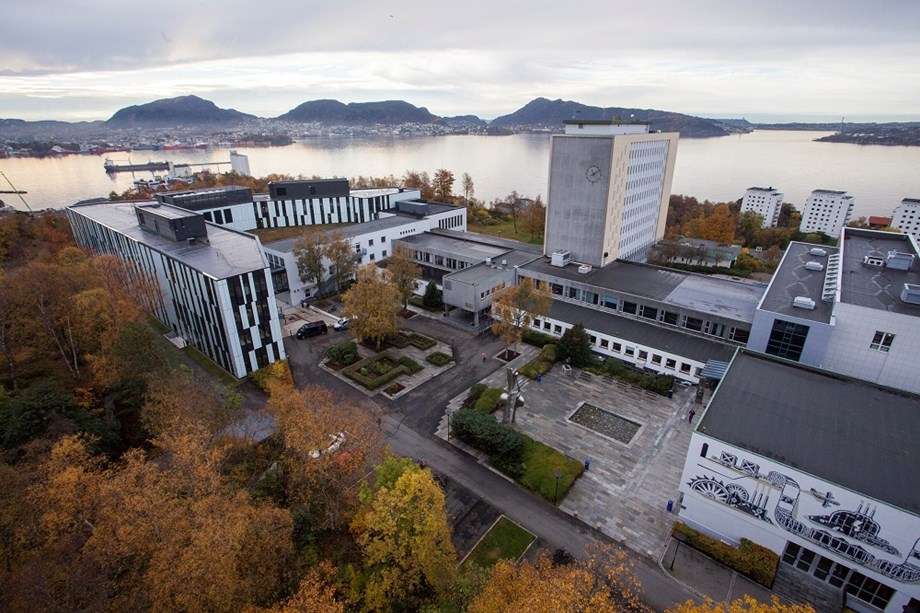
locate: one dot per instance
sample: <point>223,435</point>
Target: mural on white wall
<point>858,526</point>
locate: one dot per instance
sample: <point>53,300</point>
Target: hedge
<point>488,400</point>
<point>438,358</point>
<point>749,558</point>
<point>421,341</point>
<point>399,340</point>
<point>411,365</point>
<point>660,384</point>
<point>353,372</point>
<point>504,445</point>
<point>537,339</point>
<point>541,364</point>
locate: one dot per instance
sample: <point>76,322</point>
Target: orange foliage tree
<point>742,605</point>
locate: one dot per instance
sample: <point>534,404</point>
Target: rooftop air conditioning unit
<point>561,258</point>
<point>899,261</point>
<point>911,293</point>
<point>504,262</point>
<point>873,261</point>
<point>488,261</point>
<point>584,269</point>
<point>817,251</point>
<point>816,266</point>
<point>803,302</point>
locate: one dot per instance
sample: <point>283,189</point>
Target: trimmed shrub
<point>750,559</point>
<point>660,384</point>
<point>345,353</point>
<point>504,445</point>
<point>277,371</point>
<point>421,341</point>
<point>399,340</point>
<point>411,365</point>
<point>489,400</point>
<point>365,372</point>
<point>537,339</point>
<point>438,358</point>
<point>473,395</point>
<point>541,364</point>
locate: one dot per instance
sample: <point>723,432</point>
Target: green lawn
<point>504,540</point>
<point>540,465</point>
<point>506,230</point>
<point>211,367</point>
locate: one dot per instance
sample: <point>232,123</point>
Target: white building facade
<point>765,201</point>
<point>609,185</point>
<point>906,217</point>
<point>216,290</point>
<point>826,211</point>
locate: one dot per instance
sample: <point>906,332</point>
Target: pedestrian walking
<point>690,416</point>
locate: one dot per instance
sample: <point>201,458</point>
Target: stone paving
<point>625,492</point>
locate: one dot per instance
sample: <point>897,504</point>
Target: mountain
<point>335,112</point>
<point>463,121</point>
<point>171,112</point>
<point>549,115</point>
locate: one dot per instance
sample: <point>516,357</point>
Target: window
<point>685,368</point>
<point>882,341</point>
<point>617,347</point>
<point>669,363</point>
<point>556,288</point>
<point>384,254</point>
<point>738,335</point>
<point>536,323</point>
<point>869,590</point>
<point>787,340</point>
<point>372,257</point>
<point>643,355</point>
<point>649,312</point>
<point>630,351</point>
<point>557,329</point>
<point>656,359</point>
<point>670,318</point>
<point>370,242</point>
<point>630,307</point>
<point>573,293</point>
<point>609,302</point>
<point>604,343</point>
<point>692,323</point>
<point>592,339</point>
<point>383,240</point>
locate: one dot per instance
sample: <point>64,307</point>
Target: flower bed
<point>421,341</point>
<point>374,371</point>
<point>411,365</point>
<point>751,559</point>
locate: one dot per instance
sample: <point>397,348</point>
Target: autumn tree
<point>468,188</point>
<point>747,604</point>
<point>533,218</point>
<point>317,593</point>
<point>420,181</point>
<point>372,304</point>
<point>405,538</point>
<point>403,271</point>
<point>443,185</point>
<point>514,308</point>
<point>308,254</point>
<point>602,581</point>
<point>343,258</point>
<point>189,398</point>
<point>719,226</point>
<point>328,444</point>
<point>749,223</point>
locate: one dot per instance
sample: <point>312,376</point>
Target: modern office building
<point>854,310</point>
<point>216,290</point>
<point>826,211</point>
<point>765,201</point>
<point>290,203</point>
<point>818,467</point>
<point>373,242</point>
<point>906,217</point>
<point>609,185</point>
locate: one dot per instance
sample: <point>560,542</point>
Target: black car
<point>312,328</point>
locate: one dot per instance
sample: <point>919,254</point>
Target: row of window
<point>859,586</point>
<point>630,353</point>
<point>451,222</point>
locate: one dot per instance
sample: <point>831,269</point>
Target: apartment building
<point>765,201</point>
<point>826,211</point>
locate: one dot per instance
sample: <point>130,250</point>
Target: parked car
<point>312,328</point>
<point>341,324</point>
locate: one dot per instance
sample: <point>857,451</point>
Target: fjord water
<point>717,169</point>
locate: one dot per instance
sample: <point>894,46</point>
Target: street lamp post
<point>680,537</point>
<point>556,495</point>
<point>448,425</point>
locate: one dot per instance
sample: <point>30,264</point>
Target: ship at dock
<point>111,166</point>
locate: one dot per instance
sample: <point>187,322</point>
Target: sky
<point>806,60</point>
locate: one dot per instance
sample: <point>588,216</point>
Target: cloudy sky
<point>765,60</point>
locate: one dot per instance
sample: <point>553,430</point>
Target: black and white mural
<point>774,498</point>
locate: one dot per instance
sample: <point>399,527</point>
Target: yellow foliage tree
<point>372,304</point>
<point>403,271</point>
<point>742,605</point>
<point>604,581</point>
<point>405,538</point>
<point>514,308</point>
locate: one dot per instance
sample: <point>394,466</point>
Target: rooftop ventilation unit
<point>911,293</point>
<point>504,262</point>
<point>899,261</point>
<point>561,258</point>
<point>818,252</point>
<point>584,269</point>
<point>488,261</point>
<point>816,266</point>
<point>872,260</point>
<point>803,302</point>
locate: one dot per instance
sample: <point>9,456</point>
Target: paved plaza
<point>625,492</point>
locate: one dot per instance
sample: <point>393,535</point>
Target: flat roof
<point>501,267</point>
<point>876,287</point>
<point>486,239</point>
<point>382,224</point>
<point>829,191</point>
<point>455,244</point>
<point>716,296</point>
<point>856,434</point>
<point>792,279</point>
<point>629,329</point>
<point>224,253</point>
